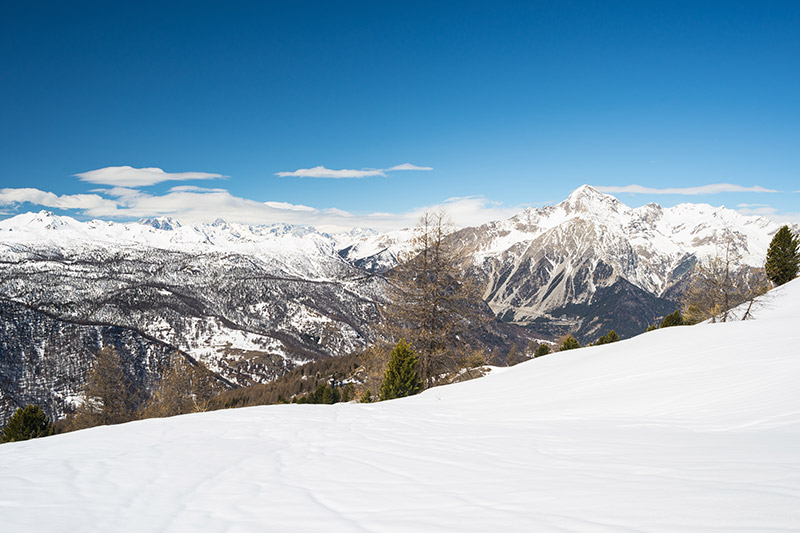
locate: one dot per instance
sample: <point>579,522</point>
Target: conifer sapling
<point>402,377</point>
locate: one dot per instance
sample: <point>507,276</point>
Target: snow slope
<point>681,429</point>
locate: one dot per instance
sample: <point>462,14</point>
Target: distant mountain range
<point>252,302</point>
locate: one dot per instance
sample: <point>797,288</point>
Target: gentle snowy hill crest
<point>686,428</point>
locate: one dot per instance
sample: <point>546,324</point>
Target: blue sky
<point>508,104</point>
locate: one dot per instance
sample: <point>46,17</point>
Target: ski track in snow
<point>682,429</point>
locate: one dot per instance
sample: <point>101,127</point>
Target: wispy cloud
<point>714,188</point>
<point>193,188</point>
<point>205,205</point>
<point>126,176</point>
<point>9,197</point>
<point>290,207</point>
<point>322,172</point>
<point>767,211</point>
<point>407,166</point>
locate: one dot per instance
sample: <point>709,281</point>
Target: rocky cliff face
<point>45,359</point>
<point>591,263</point>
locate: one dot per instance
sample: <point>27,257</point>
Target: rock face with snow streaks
<point>591,263</point>
<point>45,359</point>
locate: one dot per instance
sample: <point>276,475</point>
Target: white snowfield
<point>681,429</point>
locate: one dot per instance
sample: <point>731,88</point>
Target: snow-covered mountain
<point>591,263</point>
<point>680,429</point>
<point>291,250</point>
<point>251,302</point>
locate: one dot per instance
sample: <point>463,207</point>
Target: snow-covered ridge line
<point>299,251</point>
<point>684,228</point>
<point>674,231</point>
<point>160,232</point>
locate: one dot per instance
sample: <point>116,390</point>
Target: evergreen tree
<point>27,423</point>
<point>542,349</point>
<point>569,343</point>
<point>401,378</point>
<point>324,394</point>
<point>366,397</point>
<point>652,327</point>
<point>330,395</point>
<point>348,392</point>
<point>783,257</point>
<point>673,319</point>
<point>609,337</point>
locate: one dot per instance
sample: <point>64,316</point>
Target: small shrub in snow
<point>674,319</point>
<point>542,349</point>
<point>609,337</point>
<point>569,343</point>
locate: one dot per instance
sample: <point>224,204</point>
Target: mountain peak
<point>162,223</point>
<point>587,198</point>
<point>587,191</point>
<point>42,219</point>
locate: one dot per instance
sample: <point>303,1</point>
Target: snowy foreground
<point>682,429</point>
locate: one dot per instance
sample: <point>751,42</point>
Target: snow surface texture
<point>681,429</point>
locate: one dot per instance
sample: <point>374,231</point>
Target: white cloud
<point>206,205</point>
<point>118,192</point>
<point>474,210</point>
<point>288,206</point>
<point>714,188</point>
<point>754,209</point>
<point>49,199</point>
<point>769,212</point>
<point>193,188</point>
<point>407,166</point>
<point>322,172</point>
<point>126,176</point>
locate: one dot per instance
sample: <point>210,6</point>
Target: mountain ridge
<point>252,302</point>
